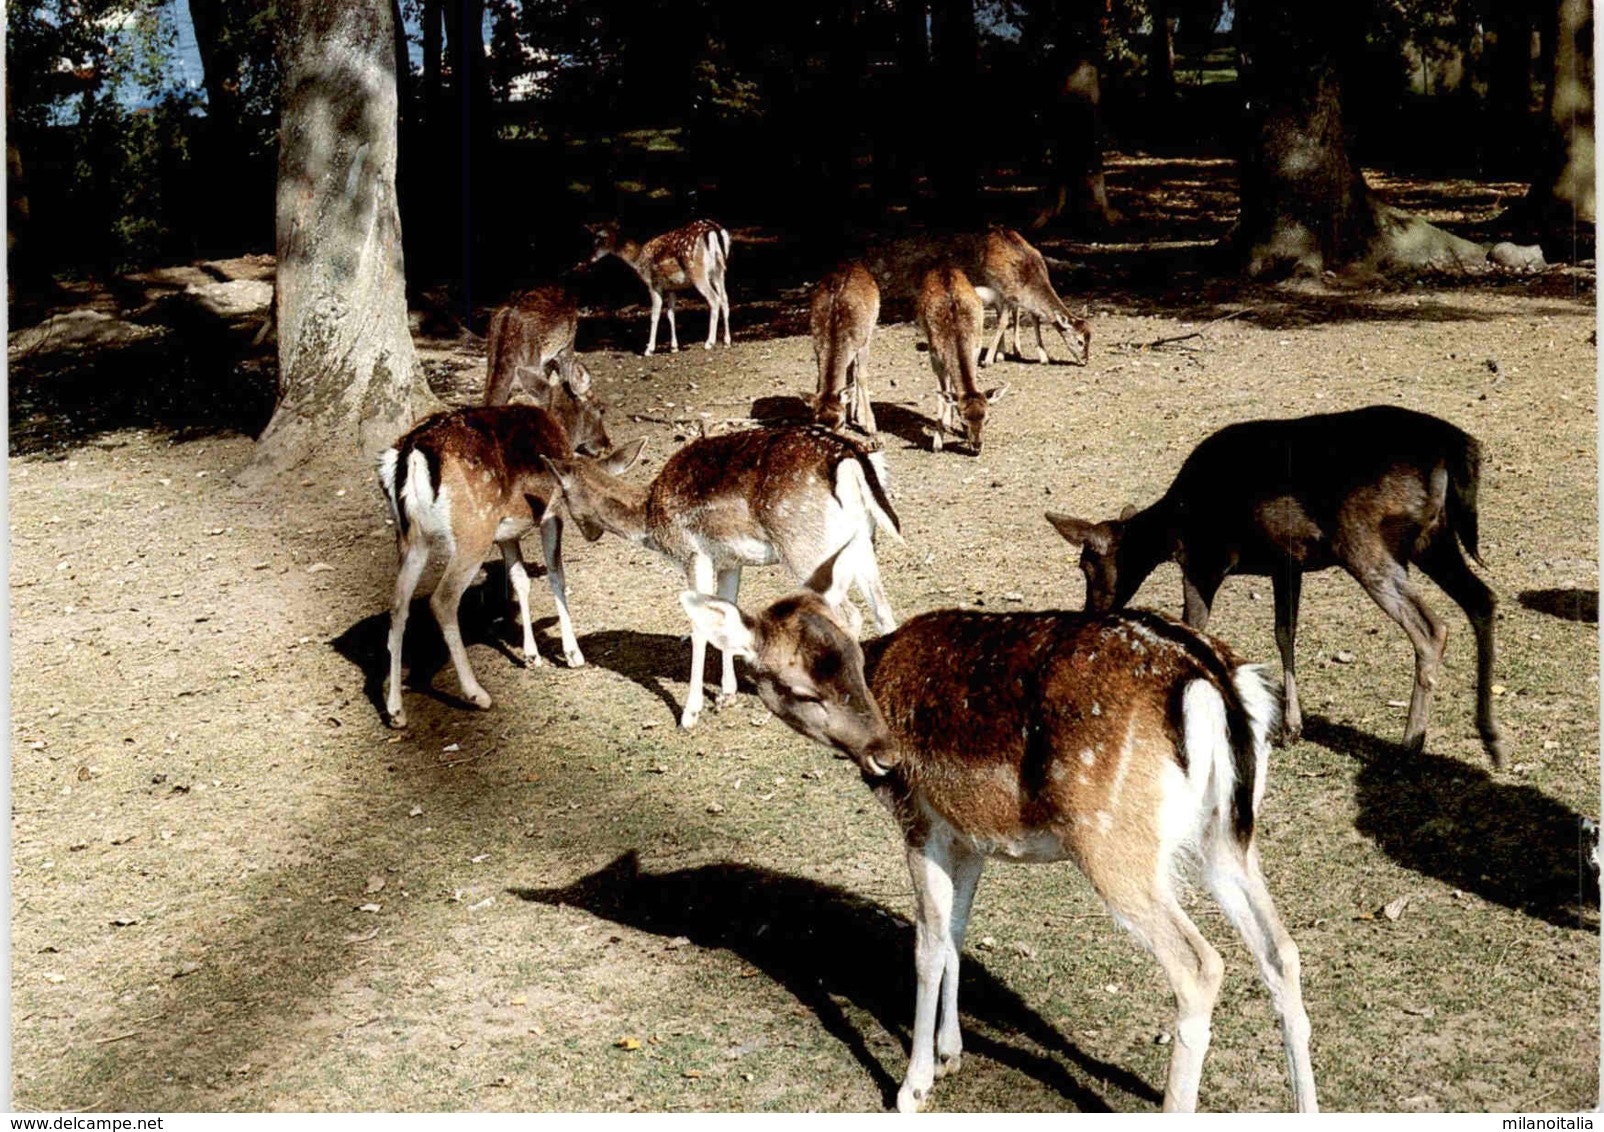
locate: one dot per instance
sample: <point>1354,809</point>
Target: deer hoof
<point>1042,357</point>
<point>397,719</point>
<point>1495,749</point>
<point>723,700</point>
<point>575,659</point>
<point>911,1100</point>
<point>688,718</point>
<point>949,1064</point>
<point>531,658</point>
<point>1289,734</point>
<point>478,697</point>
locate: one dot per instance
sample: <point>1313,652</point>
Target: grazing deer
<point>794,496</point>
<point>462,481</point>
<point>692,256</point>
<point>1373,491</point>
<point>1124,742</point>
<point>1013,278</point>
<point>530,336</point>
<point>844,309</point>
<point>950,316</point>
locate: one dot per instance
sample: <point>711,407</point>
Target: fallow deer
<point>468,479</point>
<point>692,256</point>
<point>532,335</point>
<point>950,316</point>
<point>1373,491</point>
<point>1124,742</point>
<point>793,496</point>
<point>842,315</point>
<point>1013,278</point>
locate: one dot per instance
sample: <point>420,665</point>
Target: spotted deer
<point>1373,491</point>
<point>793,496</point>
<point>531,337</point>
<point>1013,278</point>
<point>950,315</point>
<point>1009,275</point>
<point>1126,743</point>
<point>842,316</point>
<point>464,480</point>
<point>692,256</point>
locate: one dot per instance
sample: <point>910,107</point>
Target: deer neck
<point>633,254</point>
<point>621,509</point>
<point>1148,541</point>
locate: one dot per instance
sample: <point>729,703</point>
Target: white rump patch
<point>1264,709</point>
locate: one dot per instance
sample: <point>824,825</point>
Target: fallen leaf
<point>1394,908</point>
<point>125,921</point>
<point>1497,689</point>
<point>693,1074</point>
<point>1343,656</point>
<point>415,811</point>
<point>52,977</point>
<point>628,1043</point>
<point>369,908</point>
<point>519,1000</point>
<point>715,808</point>
<point>318,568</point>
<point>375,884</point>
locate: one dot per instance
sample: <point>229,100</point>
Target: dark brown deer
<point>842,314</point>
<point>463,481</point>
<point>692,256</point>
<point>530,337</point>
<point>793,496</point>
<point>1123,742</point>
<point>1373,491</point>
<point>950,317</point>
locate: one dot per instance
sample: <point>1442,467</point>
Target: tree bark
<point>1559,209</point>
<point>1305,205</point>
<point>900,130</point>
<point>1160,56</point>
<point>952,157</point>
<point>349,379</point>
<point>1076,193</point>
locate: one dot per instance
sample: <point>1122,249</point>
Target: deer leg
<point>862,410</point>
<point>1234,878</point>
<point>1197,596</point>
<point>551,544</point>
<point>657,311</point>
<point>709,291</point>
<point>1288,586</point>
<point>996,342</point>
<point>447,596</point>
<point>673,334</point>
<point>518,575</point>
<point>1195,972</point>
<point>949,1037</point>
<point>729,587</point>
<point>866,576</point>
<point>1444,564</point>
<point>931,867</point>
<point>1041,347</point>
<point>718,278</point>
<point>700,576</point>
<point>1390,589</point>
<point>414,558</point>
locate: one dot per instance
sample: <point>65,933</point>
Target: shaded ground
<point>235,889</point>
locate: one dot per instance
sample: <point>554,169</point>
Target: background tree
<point>1559,209</point>
<point>1075,194</point>
<point>349,380</point>
<point>1305,204</point>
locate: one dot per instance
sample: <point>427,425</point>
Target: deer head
<point>1111,578</point>
<point>808,669</point>
<point>580,414</point>
<point>604,240</point>
<point>1080,344</point>
<point>589,484</point>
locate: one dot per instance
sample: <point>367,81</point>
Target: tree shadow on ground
<point>821,943</point>
<point>1566,604</point>
<point>488,615</point>
<point>1508,843</point>
<point>655,661</point>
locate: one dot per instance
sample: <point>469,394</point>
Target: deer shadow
<point>655,661</point>
<point>1566,604</point>
<point>823,943</point>
<point>781,409</point>
<point>1506,842</point>
<point>486,616</point>
<point>907,425</point>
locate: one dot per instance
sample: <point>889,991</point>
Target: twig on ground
<point>1170,340</point>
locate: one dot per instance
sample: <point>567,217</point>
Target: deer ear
<point>1080,532</point>
<point>579,380</point>
<point>730,630</point>
<point>1127,513</point>
<point>561,470</point>
<point>997,391</point>
<point>623,459</point>
<point>830,576</point>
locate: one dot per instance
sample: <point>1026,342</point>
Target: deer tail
<point>871,489</point>
<point>1464,481</point>
<point>410,477</point>
<point>1225,733</point>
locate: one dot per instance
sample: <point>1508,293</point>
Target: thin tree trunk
<point>1076,193</point>
<point>1160,56</point>
<point>349,380</point>
<point>1305,204</point>
<point>900,136</point>
<point>952,155</point>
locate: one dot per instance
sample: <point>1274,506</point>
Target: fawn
<point>692,256</point>
<point>841,318</point>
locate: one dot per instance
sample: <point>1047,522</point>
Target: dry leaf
<point>375,884</point>
<point>519,1000</point>
<point>369,908</point>
<point>693,1074</point>
<point>628,1043</point>
<point>1394,908</point>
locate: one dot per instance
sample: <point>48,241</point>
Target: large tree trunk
<point>1075,190</point>
<point>951,156</point>
<point>1305,204</point>
<point>1559,209</point>
<point>349,380</point>
<point>900,139</point>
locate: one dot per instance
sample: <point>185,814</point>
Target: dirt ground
<point>234,888</point>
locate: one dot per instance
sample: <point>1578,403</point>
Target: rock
<point>234,299</point>
<point>1515,257</point>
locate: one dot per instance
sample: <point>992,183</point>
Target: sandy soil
<point>234,888</point>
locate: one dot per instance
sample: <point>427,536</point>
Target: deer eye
<point>804,696</point>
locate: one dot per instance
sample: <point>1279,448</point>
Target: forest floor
<point>234,888</point>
